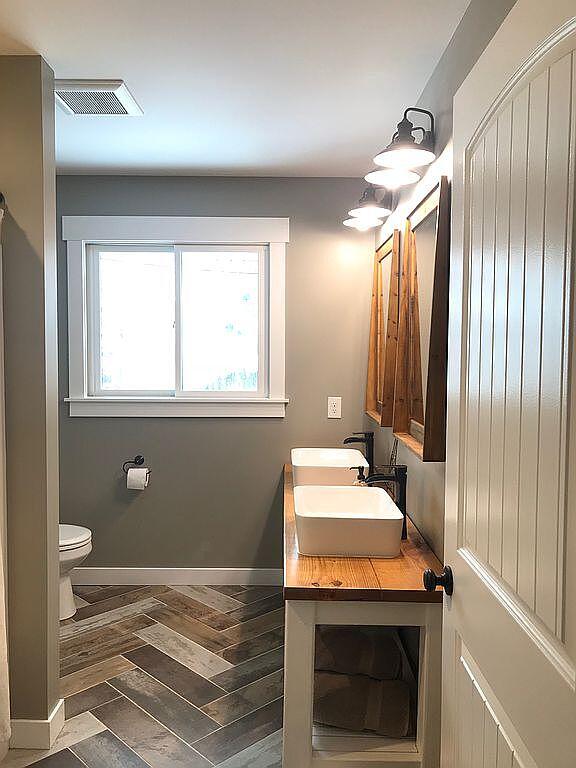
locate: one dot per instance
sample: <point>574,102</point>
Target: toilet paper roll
<point>137,478</point>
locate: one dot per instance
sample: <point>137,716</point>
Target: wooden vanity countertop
<point>397,579</point>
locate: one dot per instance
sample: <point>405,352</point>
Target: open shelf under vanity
<point>327,740</point>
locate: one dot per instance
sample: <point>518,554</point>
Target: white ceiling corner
<point>236,87</point>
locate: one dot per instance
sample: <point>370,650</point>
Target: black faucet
<point>397,473</point>
<point>367,438</point>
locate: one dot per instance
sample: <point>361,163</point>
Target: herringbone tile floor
<point>170,676</point>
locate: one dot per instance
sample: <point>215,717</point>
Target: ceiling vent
<point>95,97</point>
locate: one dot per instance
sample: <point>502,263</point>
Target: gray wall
<point>477,27</point>
<point>27,174</point>
<point>425,493</point>
<point>215,494</point>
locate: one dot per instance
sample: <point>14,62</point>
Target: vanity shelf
<point>357,592</point>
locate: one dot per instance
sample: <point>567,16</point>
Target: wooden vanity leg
<point>298,683</point>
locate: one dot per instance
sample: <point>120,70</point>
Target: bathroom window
<point>177,320</point>
<point>175,328</point>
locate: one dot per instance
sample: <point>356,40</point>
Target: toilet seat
<point>73,536</point>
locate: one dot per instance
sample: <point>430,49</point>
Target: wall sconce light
<point>392,178</point>
<point>362,224</point>
<point>398,161</point>
<point>404,151</point>
<point>370,208</point>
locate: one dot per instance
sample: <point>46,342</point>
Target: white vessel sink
<point>352,521</point>
<point>326,466</point>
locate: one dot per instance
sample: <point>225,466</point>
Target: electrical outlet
<point>334,407</point>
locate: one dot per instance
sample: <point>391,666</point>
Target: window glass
<point>136,320</point>
<point>220,320</point>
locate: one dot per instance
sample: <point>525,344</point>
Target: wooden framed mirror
<point>419,418</point>
<point>383,341</point>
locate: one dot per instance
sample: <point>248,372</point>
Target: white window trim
<point>82,231</point>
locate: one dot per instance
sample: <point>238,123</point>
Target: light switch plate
<point>334,407</point>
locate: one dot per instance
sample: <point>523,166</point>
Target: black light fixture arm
<point>405,130</point>
<point>419,128</point>
<point>422,112</point>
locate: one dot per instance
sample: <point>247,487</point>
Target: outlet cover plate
<point>334,407</point>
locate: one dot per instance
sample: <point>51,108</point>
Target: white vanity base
<point>305,747</point>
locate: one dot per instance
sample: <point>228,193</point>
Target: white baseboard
<point>38,734</point>
<point>248,576</point>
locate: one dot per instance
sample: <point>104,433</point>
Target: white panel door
<point>509,688</point>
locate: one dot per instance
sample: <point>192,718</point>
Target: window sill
<point>142,407</point>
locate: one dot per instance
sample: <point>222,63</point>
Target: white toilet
<point>75,546</point>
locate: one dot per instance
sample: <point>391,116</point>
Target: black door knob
<point>432,580</point>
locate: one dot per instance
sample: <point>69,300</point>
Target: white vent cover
<point>95,97</point>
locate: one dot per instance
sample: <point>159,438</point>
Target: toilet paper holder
<point>137,461</point>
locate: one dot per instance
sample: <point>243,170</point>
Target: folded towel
<point>359,703</point>
<point>354,651</point>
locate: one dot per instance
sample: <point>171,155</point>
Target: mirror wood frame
<point>426,440</point>
<point>381,375</point>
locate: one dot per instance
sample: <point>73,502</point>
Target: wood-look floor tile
<point>185,604</point>
<point>228,589</point>
<point>192,687</point>
<point>63,759</point>
<point>105,750</point>
<point>257,608</point>
<point>170,702</point>
<point>249,671</point>
<point>218,620</point>
<point>79,602</point>
<point>105,619</point>
<point>255,695</point>
<point>85,589</point>
<point>185,651</point>
<point>98,673</point>
<point>84,640</point>
<point>88,699</point>
<point>247,649</point>
<point>185,720</point>
<point>115,646</point>
<point>74,730</point>
<point>242,733</point>
<point>127,598</point>
<point>93,638</point>
<point>103,593</point>
<point>191,628</point>
<point>254,627</point>
<point>252,594</point>
<point>132,623</point>
<point>147,737</point>
<point>210,597</point>
<point>266,753</point>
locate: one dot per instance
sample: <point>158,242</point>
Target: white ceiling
<point>236,87</point>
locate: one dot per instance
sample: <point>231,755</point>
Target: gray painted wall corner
<point>27,179</point>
